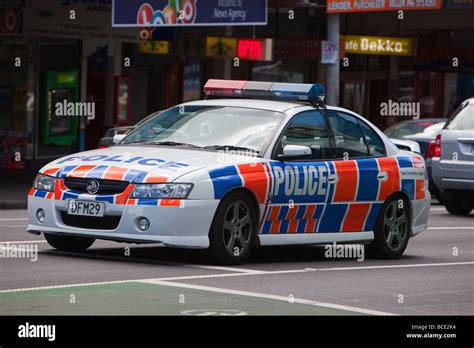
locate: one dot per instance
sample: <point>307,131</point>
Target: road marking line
<point>452,228</point>
<point>398,266</point>
<point>266,296</point>
<point>224,275</point>
<point>230,269</point>
<point>68,286</point>
<point>438,209</point>
<point>221,275</point>
<point>16,219</point>
<point>23,242</point>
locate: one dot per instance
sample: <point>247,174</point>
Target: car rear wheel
<point>233,231</point>
<point>68,243</point>
<point>457,206</point>
<point>392,229</point>
<point>437,195</point>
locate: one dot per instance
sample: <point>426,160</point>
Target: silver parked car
<point>423,132</point>
<point>453,160</point>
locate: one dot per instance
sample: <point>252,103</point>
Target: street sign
<point>159,13</point>
<point>329,52</point>
<point>339,6</point>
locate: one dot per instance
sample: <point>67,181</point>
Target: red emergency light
<point>224,88</point>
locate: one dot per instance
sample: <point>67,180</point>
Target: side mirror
<point>295,151</point>
<point>118,138</point>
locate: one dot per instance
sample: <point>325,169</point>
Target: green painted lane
<point>136,298</point>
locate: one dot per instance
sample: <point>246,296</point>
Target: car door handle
<point>382,176</point>
<point>332,178</point>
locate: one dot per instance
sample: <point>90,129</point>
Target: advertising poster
<point>151,13</point>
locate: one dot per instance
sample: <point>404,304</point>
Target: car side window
<point>348,135</point>
<point>310,129</point>
<point>374,142</point>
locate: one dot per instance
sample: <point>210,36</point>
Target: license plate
<point>85,208</point>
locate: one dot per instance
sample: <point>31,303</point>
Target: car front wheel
<point>68,243</point>
<point>233,230</point>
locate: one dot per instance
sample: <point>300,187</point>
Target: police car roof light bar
<point>313,93</point>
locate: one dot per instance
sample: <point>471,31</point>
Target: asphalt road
<point>435,277</point>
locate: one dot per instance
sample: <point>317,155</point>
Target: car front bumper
<point>184,225</point>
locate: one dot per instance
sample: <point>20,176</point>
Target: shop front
<point>375,69</point>
<point>17,94</point>
<point>420,55</point>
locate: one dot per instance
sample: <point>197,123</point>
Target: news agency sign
<point>170,13</point>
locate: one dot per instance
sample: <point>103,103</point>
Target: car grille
<point>106,187</point>
<point>107,222</point>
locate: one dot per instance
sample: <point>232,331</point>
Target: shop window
<point>406,91</point>
<point>353,96</point>
<point>429,88</point>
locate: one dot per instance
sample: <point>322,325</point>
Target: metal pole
<point>332,70</point>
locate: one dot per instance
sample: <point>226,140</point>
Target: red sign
<point>250,49</point>
<point>337,6</point>
<point>255,49</point>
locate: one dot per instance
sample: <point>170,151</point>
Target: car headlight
<point>44,182</point>
<point>157,191</point>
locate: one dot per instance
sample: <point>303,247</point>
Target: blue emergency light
<point>265,90</point>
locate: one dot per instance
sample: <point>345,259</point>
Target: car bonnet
<point>136,164</point>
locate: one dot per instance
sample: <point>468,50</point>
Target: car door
<point>300,187</point>
<point>365,177</point>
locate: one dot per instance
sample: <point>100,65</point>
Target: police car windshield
<point>209,127</point>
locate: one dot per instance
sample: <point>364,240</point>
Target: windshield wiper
<point>230,147</point>
<point>170,143</point>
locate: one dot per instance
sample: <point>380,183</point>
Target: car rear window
<point>462,118</point>
<point>406,129</point>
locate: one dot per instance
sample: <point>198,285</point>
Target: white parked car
<point>268,165</point>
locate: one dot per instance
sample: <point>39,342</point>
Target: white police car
<point>269,165</point>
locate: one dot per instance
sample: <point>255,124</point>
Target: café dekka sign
<point>378,45</point>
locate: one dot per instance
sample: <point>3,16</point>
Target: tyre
<point>68,243</point>
<point>392,229</point>
<point>233,230</point>
<point>437,195</point>
<point>457,206</point>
